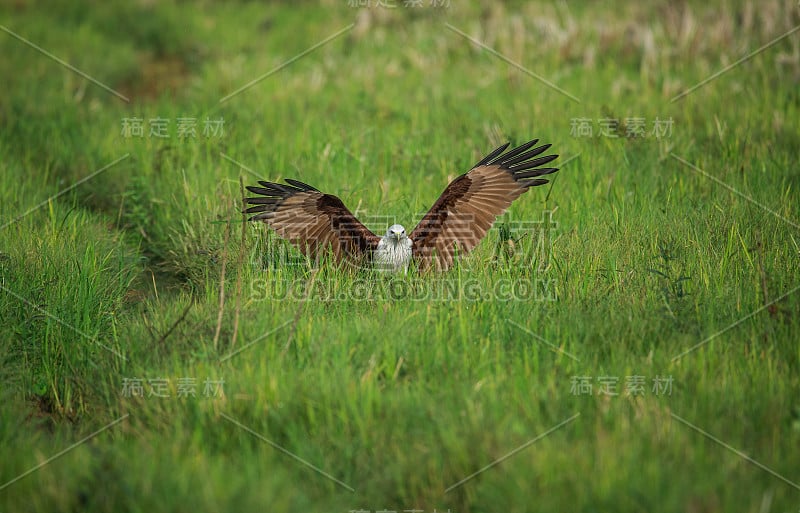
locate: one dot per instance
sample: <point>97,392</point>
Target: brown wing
<point>468,207</point>
<point>314,222</point>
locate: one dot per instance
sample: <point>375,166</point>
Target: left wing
<point>313,221</point>
<point>468,207</point>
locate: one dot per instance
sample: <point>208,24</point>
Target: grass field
<point>624,339</point>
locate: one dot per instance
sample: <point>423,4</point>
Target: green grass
<point>399,387</point>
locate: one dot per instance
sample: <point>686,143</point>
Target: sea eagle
<point>318,223</point>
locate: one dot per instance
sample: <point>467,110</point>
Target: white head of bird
<point>394,250</point>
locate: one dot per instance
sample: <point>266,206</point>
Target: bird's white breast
<point>393,255</point>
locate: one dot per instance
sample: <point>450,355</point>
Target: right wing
<point>468,207</point>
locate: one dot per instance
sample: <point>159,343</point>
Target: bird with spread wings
<point>319,224</point>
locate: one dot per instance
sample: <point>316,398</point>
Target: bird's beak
<point>397,235</point>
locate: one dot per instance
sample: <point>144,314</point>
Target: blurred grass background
<point>119,277</point>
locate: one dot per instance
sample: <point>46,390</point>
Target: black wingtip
<point>271,195</point>
<point>516,151</point>
<point>488,158</point>
<point>301,185</point>
<point>521,163</point>
<point>530,164</point>
<point>519,158</point>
